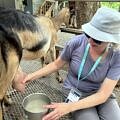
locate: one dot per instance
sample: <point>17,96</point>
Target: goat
<point>50,25</point>
<point>22,34</point>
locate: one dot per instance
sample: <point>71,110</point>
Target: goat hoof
<point>59,79</point>
<point>43,76</point>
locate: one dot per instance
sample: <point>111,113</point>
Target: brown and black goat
<point>22,33</point>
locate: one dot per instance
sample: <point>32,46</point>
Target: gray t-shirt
<point>73,54</point>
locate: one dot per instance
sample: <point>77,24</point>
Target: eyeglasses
<point>96,41</point>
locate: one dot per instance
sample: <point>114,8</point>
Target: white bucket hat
<point>104,26</point>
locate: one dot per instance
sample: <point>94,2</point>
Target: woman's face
<point>97,45</point>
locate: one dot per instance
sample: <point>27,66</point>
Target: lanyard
<point>83,62</point>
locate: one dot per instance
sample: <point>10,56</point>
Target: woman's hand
<point>28,78</point>
<point>18,83</point>
<point>59,109</point>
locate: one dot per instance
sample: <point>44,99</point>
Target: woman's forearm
<point>100,97</point>
<point>48,69</point>
<point>90,101</point>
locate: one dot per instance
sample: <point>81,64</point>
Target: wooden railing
<point>71,30</point>
<point>45,7</point>
<point>58,47</point>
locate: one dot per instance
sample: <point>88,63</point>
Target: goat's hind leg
<point>1,116</point>
<point>2,108</point>
<point>7,75</point>
<point>1,98</point>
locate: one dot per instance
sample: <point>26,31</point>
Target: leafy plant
<point>114,5</point>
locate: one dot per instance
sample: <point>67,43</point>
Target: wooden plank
<point>72,30</point>
<point>58,47</point>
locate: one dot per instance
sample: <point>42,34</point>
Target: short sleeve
<point>114,71</point>
<point>66,53</point>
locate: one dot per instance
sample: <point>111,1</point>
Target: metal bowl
<point>33,105</point>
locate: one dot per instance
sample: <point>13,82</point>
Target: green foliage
<point>114,5</point>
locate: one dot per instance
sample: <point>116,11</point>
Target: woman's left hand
<point>59,109</point>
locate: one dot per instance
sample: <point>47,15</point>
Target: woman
<point>94,70</point>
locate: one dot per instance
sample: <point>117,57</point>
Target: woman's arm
<point>50,68</point>
<point>100,97</point>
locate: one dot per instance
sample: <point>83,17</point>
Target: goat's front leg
<point>46,59</point>
<point>54,55</point>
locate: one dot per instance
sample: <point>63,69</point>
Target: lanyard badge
<point>73,96</point>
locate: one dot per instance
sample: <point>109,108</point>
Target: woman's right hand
<point>18,82</point>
